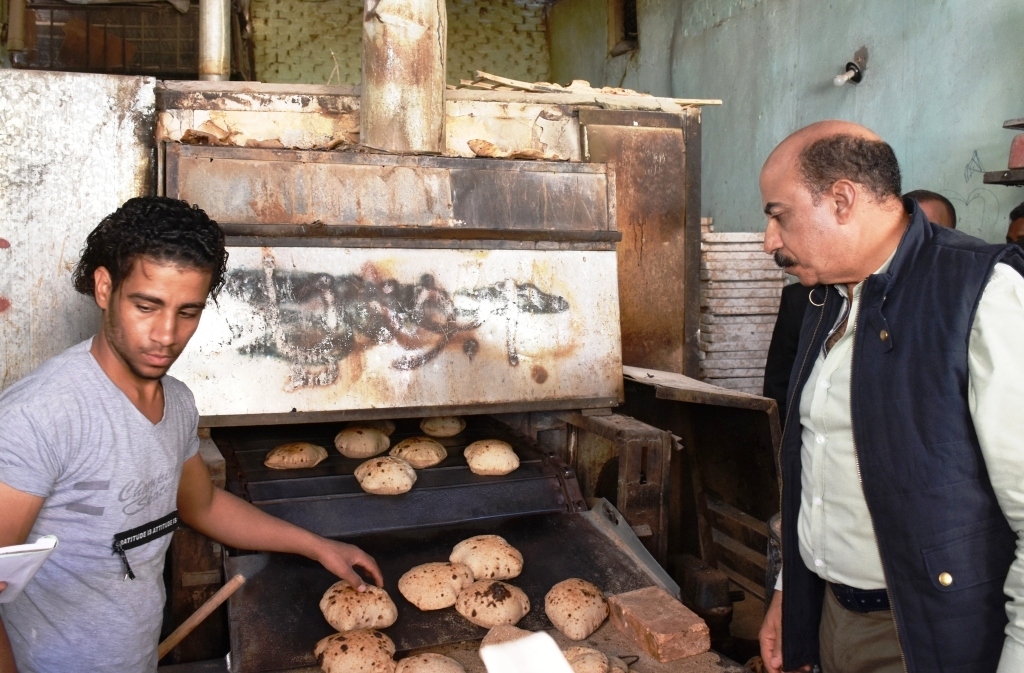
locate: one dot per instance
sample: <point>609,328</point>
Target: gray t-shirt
<point>68,434</point>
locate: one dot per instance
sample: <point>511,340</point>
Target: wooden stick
<point>199,615</point>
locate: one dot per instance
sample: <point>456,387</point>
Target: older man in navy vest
<point>902,458</point>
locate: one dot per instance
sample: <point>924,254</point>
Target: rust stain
<point>539,374</point>
<point>267,207</point>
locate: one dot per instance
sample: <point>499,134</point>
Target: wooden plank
<point>751,587</point>
<point>753,341</point>
<point>610,101</point>
<point>733,247</point>
<point>692,140</point>
<point>762,262</point>
<point>736,363</point>
<point>713,373</point>
<point>734,355</point>
<point>743,274</point>
<point>772,284</point>
<point>715,304</point>
<point>752,328</point>
<point>734,237</point>
<point>745,558</point>
<point>744,311</point>
<point>714,319</point>
<point>1012,177</point>
<point>714,255</point>
<point>686,389</point>
<point>749,381</point>
<point>738,524</point>
<point>731,347</point>
<point>722,291</point>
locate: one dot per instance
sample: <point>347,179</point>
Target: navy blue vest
<point>921,467</point>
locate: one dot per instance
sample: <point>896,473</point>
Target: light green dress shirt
<point>837,537</point>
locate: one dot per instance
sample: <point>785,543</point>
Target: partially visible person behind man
<point>1015,232</point>
<point>902,461</point>
<point>937,208</point>
<point>99,447</point>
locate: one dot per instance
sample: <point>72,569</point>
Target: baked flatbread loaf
<point>576,608</point>
<point>488,603</point>
<point>385,475</point>
<point>385,425</point>
<point>443,426</point>
<point>347,609</point>
<point>433,586</point>
<point>489,557</point>
<point>420,452</point>
<point>504,633</point>
<point>429,663</point>
<point>295,455</point>
<point>360,441</point>
<point>586,660</point>
<point>362,651</point>
<point>491,457</point>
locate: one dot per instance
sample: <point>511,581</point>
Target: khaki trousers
<point>856,642</point>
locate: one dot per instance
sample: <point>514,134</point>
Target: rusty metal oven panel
<point>657,159</point>
<point>336,329</point>
<point>241,186</point>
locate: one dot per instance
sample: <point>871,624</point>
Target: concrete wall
<point>294,39</point>
<point>942,77</point>
<point>75,147</point>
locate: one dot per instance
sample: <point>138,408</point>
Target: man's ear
<point>844,195</point>
<point>103,286</point>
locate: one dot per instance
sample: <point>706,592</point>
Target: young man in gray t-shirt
<point>99,448</point>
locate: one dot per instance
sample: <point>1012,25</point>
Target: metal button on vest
<point>945,579</point>
<point>883,335</point>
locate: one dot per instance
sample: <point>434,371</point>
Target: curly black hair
<point>871,163</point>
<point>167,230</point>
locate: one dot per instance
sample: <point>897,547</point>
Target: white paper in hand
<point>18,564</point>
<point>536,653</point>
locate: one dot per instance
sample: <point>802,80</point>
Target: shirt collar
<point>882,269</point>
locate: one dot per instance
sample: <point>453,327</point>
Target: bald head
<point>832,150</point>
<point>793,146</point>
<point>831,192</point>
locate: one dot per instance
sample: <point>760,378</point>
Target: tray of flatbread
<point>275,620</point>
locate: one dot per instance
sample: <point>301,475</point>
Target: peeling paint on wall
<point>75,147</point>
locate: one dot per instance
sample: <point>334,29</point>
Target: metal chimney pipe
<point>214,40</point>
<point>404,54</point>
<point>16,25</point>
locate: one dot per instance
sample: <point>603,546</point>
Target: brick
<point>659,624</point>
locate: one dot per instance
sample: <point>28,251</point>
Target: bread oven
<point>367,285</point>
<point>371,286</point>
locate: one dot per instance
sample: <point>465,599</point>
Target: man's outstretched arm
<point>234,522</point>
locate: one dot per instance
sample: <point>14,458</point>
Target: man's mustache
<point>783,261</point>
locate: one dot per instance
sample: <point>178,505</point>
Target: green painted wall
<point>942,77</point>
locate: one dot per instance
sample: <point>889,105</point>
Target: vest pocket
<point>973,559</point>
